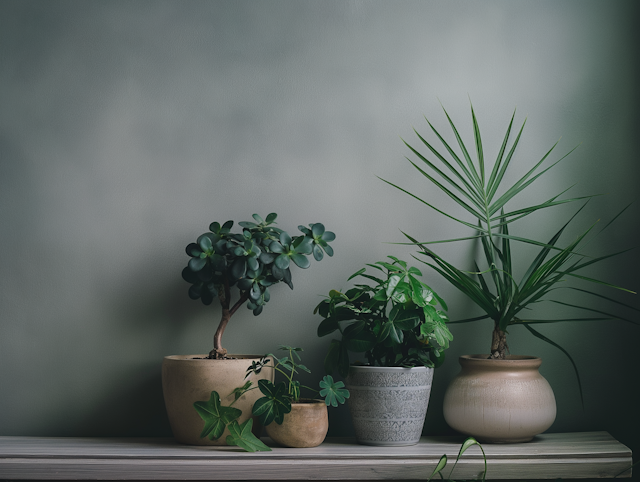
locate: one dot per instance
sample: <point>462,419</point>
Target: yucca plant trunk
<point>499,345</point>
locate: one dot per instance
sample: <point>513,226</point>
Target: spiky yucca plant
<point>503,296</point>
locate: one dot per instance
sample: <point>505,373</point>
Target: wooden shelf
<point>548,456</point>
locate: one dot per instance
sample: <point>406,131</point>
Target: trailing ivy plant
<point>394,320</point>
<point>252,261</point>
<point>217,418</point>
<point>272,407</point>
<point>505,296</point>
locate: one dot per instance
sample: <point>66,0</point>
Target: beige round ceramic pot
<point>502,401</point>
<point>187,379</point>
<point>305,426</point>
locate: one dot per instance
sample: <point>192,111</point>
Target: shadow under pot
<point>500,401</point>
<point>388,405</point>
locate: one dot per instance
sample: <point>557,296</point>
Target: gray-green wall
<point>127,127</point>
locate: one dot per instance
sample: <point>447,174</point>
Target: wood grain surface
<point>548,456</point>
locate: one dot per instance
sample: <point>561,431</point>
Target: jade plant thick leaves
<point>394,321</point>
<point>253,261</point>
<point>504,296</point>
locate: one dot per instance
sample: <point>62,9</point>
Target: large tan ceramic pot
<point>502,401</point>
<point>190,378</point>
<point>305,426</point>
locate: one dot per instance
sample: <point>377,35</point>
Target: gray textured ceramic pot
<point>388,405</point>
<point>504,401</point>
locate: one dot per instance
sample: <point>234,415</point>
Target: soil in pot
<point>500,401</point>
<point>305,426</point>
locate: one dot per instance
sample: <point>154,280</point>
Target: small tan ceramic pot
<point>187,379</point>
<point>305,426</point>
<point>502,401</point>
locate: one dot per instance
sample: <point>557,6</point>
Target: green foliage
<point>494,287</point>
<point>217,417</point>
<point>253,261</point>
<point>393,320</point>
<point>271,407</point>
<point>243,437</point>
<point>275,403</point>
<point>442,463</point>
<point>277,399</point>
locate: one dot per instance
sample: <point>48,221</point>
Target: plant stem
<point>225,296</point>
<point>499,345</point>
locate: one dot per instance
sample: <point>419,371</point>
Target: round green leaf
<point>282,261</point>
<point>239,268</point>
<point>253,264</point>
<point>196,264</point>
<point>301,260</point>
<point>317,229</point>
<point>317,252</point>
<point>328,236</point>
<point>195,291</point>
<point>285,239</point>
<point>193,250</point>
<point>276,247</point>
<point>205,243</point>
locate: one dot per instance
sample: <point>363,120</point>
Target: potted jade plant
<point>247,265</point>
<point>394,321</point>
<point>500,397</point>
<point>289,419</point>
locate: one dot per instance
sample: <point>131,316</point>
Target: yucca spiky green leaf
<point>477,187</point>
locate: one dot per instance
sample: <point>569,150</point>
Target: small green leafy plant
<point>505,296</point>
<point>253,261</point>
<point>442,463</point>
<point>272,407</point>
<point>277,399</point>
<point>394,320</point>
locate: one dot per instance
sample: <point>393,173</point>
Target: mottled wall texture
<point>127,127</point>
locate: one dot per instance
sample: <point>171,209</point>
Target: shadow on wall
<point>135,409</point>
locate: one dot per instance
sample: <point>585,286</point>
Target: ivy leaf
<point>333,392</point>
<point>215,416</point>
<point>274,405</point>
<point>242,436</point>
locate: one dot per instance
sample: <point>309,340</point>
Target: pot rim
<point>390,369</point>
<point>511,361</point>
<point>204,357</point>
<point>309,401</point>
